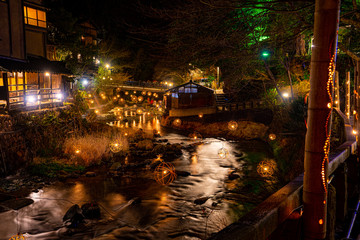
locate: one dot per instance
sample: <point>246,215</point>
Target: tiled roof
<point>33,64</point>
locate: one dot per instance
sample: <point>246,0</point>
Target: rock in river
<point>201,201</point>
<point>91,210</point>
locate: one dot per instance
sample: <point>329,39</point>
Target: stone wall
<point>14,153</point>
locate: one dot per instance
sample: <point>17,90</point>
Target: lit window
<point>34,17</point>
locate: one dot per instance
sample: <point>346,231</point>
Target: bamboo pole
<point>319,118</point>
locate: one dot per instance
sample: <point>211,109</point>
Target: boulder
<point>74,216</point>
<point>201,200</point>
<point>91,210</point>
<point>233,176</point>
<point>182,173</point>
<point>115,166</point>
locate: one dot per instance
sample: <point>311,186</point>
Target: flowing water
<point>164,212</point>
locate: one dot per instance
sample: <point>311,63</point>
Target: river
<point>134,206</point>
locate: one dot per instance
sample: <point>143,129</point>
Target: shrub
<point>87,150</point>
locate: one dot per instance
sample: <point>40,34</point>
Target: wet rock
<point>90,174</point>
<point>233,176</point>
<point>135,200</point>
<point>74,216</point>
<point>4,209</point>
<point>91,210</point>
<point>115,166</point>
<point>4,197</point>
<point>17,203</point>
<point>182,173</point>
<point>201,201</point>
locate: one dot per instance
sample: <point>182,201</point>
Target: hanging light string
<point>326,148</point>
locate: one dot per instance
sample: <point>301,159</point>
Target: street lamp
<point>85,82</point>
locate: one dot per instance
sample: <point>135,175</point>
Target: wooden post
<point>317,143</point>
<point>336,90</point>
<point>347,95</point>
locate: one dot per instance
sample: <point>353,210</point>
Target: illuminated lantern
<point>17,237</point>
<point>126,93</point>
<point>139,111</point>
<point>177,122</point>
<point>272,136</point>
<point>266,168</point>
<point>134,91</point>
<point>223,152</point>
<point>115,146</point>
<point>140,98</point>
<point>201,115</point>
<point>232,125</point>
<point>143,93</point>
<point>149,94</point>
<point>97,111</point>
<point>164,173</point>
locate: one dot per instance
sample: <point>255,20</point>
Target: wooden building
<point>27,78</point>
<point>189,99</point>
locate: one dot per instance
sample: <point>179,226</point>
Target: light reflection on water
<point>167,210</point>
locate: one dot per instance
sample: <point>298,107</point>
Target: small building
<point>189,99</point>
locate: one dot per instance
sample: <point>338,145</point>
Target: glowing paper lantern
<point>223,152</point>
<point>139,111</point>
<point>232,125</point>
<point>143,93</point>
<point>201,115</point>
<point>115,146</point>
<point>126,93</point>
<point>17,237</point>
<point>140,98</point>
<point>177,122</point>
<point>164,173</point>
<point>149,94</point>
<point>272,136</point>
<point>266,168</point>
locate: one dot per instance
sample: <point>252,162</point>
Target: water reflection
<point>150,210</point>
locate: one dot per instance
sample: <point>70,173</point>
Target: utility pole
<point>317,143</point>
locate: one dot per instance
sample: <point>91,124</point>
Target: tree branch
<point>348,52</point>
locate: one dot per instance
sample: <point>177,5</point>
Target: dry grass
<point>87,150</point>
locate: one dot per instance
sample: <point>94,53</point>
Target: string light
<point>326,148</point>
<point>17,237</point>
